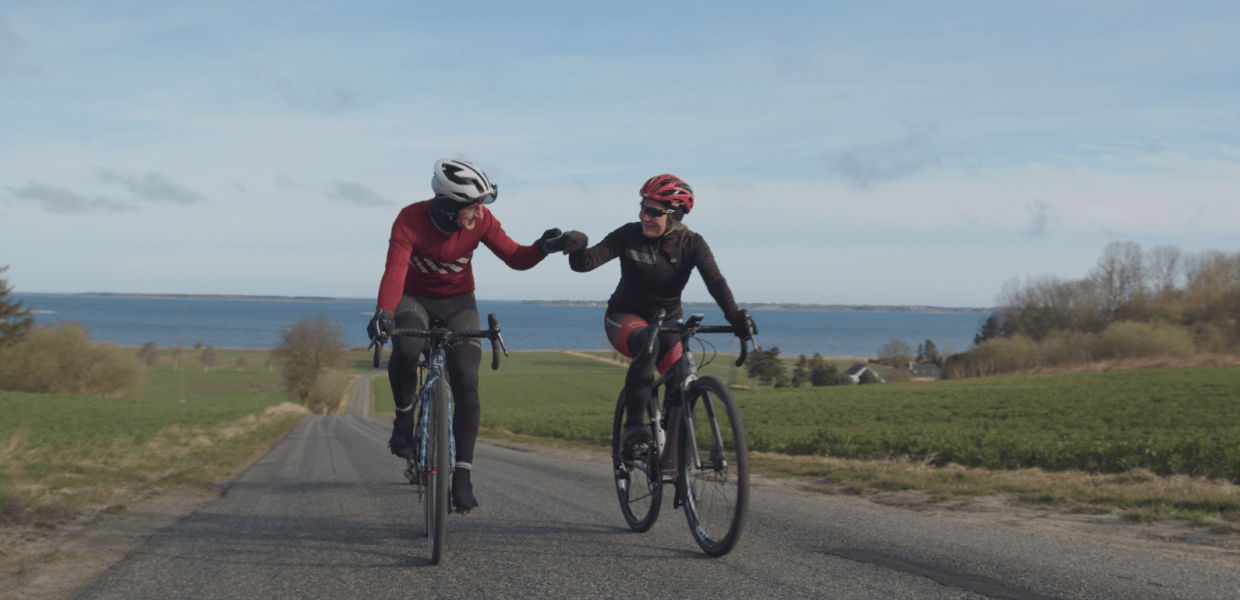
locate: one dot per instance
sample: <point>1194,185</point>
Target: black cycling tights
<point>464,355</point>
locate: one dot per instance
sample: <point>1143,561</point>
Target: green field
<point>182,427</point>
<point>1150,443</point>
<point>1169,421</point>
<point>1097,438</point>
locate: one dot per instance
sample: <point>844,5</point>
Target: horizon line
<point>557,302</point>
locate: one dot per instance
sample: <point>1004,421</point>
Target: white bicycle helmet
<point>463,182</point>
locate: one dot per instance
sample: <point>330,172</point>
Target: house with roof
<point>922,371</point>
<point>858,369</point>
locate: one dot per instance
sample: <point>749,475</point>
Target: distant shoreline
<point>790,306</point>
<point>589,303</point>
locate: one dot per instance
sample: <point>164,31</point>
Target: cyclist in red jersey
<point>429,274</point>
<point>657,255</point>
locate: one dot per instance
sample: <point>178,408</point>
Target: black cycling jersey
<point>654,271</point>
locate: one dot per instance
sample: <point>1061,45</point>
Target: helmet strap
<point>672,225</point>
<point>443,214</point>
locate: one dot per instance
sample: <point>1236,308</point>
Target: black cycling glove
<point>743,324</point>
<point>551,241</point>
<point>574,241</point>
<point>381,326</point>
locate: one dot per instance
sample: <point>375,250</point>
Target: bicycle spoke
<point>714,467</point>
<point>637,485</point>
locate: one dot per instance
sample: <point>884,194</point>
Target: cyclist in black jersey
<point>657,255</point>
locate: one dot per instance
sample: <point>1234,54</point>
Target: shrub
<point>897,376</point>
<point>307,349</point>
<point>61,359</point>
<point>823,372</point>
<point>801,371</point>
<point>328,392</point>
<point>768,368</point>
<point>1120,340</point>
<point>1136,340</point>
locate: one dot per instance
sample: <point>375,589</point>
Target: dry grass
<point>67,481</point>
<point>330,392</point>
<point>1139,494</point>
<point>1152,362</point>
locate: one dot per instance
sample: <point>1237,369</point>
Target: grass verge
<point>183,428</point>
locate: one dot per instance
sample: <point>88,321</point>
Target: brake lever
<point>653,332</point>
<point>495,337</point>
<point>378,346</point>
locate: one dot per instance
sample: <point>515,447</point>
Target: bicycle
<point>434,457</point>
<point>711,463</point>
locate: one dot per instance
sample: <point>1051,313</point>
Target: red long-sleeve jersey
<point>427,262</point>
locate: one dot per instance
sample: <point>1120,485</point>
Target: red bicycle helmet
<point>670,190</point>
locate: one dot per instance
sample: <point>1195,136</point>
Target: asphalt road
<point>327,514</point>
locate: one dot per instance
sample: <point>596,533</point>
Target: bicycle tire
<point>713,477</point>
<point>441,471</point>
<point>637,477</point>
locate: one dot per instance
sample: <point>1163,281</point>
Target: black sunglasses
<point>655,213</point>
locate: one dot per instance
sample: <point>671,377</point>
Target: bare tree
<point>177,353</point>
<point>1120,274</point>
<point>896,352</point>
<point>1165,268</point>
<point>307,349</point>
<point>1212,287</point>
<point>149,353</point>
<point>242,362</point>
<point>208,358</point>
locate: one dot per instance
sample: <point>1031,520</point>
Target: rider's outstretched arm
<point>513,254</point>
<point>588,259</point>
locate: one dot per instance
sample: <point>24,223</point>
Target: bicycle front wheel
<point>713,466</point>
<point>637,475</point>
<point>440,471</point>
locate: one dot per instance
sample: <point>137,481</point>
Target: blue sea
<point>250,323</point>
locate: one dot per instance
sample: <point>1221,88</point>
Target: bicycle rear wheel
<point>440,471</point>
<point>637,474</point>
<point>713,466</point>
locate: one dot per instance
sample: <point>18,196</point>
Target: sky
<point>886,153</point>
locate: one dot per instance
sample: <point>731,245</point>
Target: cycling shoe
<point>463,491</point>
